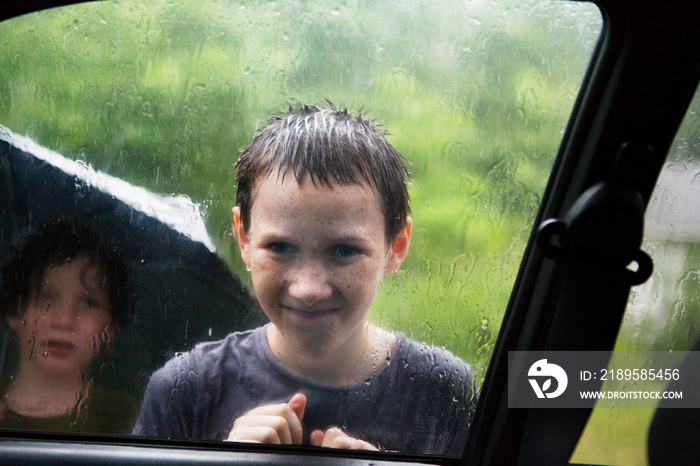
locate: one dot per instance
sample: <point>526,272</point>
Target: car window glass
<point>150,102</point>
<point>662,314</point>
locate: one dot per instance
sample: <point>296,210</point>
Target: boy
<point>64,296</point>
<point>321,215</point>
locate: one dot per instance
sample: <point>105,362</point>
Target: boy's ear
<point>240,234</point>
<point>13,321</point>
<point>399,247</point>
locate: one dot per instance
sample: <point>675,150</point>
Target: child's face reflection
<point>66,320</point>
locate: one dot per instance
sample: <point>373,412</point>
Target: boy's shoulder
<point>245,343</point>
<point>421,359</point>
<point>214,355</point>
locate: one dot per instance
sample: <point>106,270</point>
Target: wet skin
<point>317,255</point>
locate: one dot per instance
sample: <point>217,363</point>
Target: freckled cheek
<point>268,279</point>
<point>360,285</point>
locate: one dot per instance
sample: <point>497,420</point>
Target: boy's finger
<point>336,438</point>
<point>330,436</point>
<point>281,418</point>
<point>316,438</point>
<point>256,433</point>
<point>298,405</point>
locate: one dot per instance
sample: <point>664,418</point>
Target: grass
<point>615,437</point>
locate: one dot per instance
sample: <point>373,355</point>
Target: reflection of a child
<point>63,296</point>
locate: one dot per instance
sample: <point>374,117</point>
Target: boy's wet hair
<point>57,244</point>
<point>326,144</point>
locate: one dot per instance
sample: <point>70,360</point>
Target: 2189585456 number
<point>639,374</point>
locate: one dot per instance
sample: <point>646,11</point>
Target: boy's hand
<point>336,438</point>
<point>272,424</point>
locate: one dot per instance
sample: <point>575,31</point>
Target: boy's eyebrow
<point>281,235</point>
<point>351,238</point>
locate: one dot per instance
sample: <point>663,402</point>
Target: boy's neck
<point>364,356</point>
<point>32,393</point>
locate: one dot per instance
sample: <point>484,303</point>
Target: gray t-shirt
<point>421,402</point>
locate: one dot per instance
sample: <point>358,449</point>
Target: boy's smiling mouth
<point>310,313</point>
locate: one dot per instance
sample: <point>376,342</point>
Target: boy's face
<point>317,255</point>
<point>66,319</point>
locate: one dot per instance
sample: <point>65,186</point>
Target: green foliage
<point>475,94</point>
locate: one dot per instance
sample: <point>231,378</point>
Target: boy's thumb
<point>298,405</point>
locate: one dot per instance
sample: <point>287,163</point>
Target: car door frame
<point>622,126</point>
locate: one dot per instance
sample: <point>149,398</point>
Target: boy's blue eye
<point>345,250</point>
<point>282,248</point>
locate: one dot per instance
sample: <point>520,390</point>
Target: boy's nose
<point>310,285</point>
<point>62,315</point>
